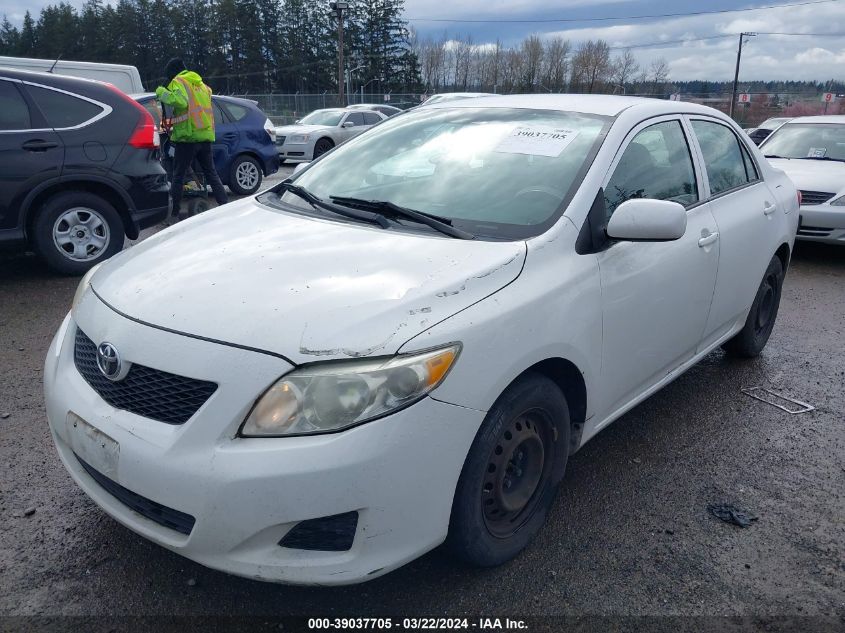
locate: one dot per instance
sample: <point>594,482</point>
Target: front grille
<point>168,517</point>
<point>334,533</point>
<point>815,197</point>
<point>151,393</point>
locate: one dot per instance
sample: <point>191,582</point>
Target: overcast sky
<point>765,56</point>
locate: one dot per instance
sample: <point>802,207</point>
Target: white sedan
<point>314,135</point>
<point>403,343</point>
<point>811,150</point>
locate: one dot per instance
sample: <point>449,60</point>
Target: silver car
<point>320,131</point>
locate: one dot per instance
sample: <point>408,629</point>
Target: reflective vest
<point>199,105</point>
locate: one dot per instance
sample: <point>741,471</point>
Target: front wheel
<point>511,473</point>
<point>322,146</point>
<point>75,230</point>
<point>245,176</point>
<point>752,338</point>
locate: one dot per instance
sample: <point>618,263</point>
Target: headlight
<point>84,283</point>
<point>336,395</point>
<point>839,202</point>
<point>298,138</point>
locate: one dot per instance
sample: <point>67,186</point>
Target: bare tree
<point>556,63</point>
<point>624,69</point>
<point>659,74</point>
<point>591,66</point>
<point>532,60</point>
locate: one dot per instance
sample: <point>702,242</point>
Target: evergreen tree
<point>28,43</point>
<point>9,38</point>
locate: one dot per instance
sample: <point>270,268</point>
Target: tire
<point>76,230</point>
<point>245,176</point>
<point>752,338</point>
<point>322,146</point>
<point>197,206</point>
<point>511,474</point>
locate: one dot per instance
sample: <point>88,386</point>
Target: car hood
<point>300,287</point>
<point>287,130</point>
<point>813,175</point>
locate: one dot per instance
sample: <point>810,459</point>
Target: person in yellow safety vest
<point>193,129</point>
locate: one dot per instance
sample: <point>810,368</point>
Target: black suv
<point>79,169</point>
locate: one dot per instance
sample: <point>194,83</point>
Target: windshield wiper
<point>316,202</point>
<point>444,225</point>
<point>838,160</point>
<point>773,156</point>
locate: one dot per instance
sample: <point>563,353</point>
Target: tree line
<point>239,46</point>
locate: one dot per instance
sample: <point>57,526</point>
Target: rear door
<point>30,152</point>
<point>227,139</point>
<point>357,125</point>
<point>744,208</point>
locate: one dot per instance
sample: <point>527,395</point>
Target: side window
<point>238,112</point>
<point>750,167</point>
<point>371,118</point>
<point>656,164</point>
<point>63,110</point>
<point>722,156</point>
<point>14,113</point>
<point>219,119</point>
<point>356,117</point>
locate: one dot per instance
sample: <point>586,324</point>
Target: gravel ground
<point>629,534</point>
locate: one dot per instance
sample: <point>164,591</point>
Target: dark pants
<point>185,154</point>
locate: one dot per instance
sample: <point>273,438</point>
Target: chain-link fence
<point>287,108</point>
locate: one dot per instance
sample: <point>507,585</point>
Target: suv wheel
<point>73,231</point>
<point>245,176</point>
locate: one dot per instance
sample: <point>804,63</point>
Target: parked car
<point>453,96</point>
<point>759,134</point>
<point>387,110</point>
<point>371,357</point>
<point>245,145</point>
<point>79,169</point>
<point>122,76</point>
<point>811,150</point>
<point>314,135</point>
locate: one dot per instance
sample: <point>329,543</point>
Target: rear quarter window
<point>14,113</point>
<point>62,110</point>
<point>237,112</point>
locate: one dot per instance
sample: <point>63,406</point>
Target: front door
<point>655,295</point>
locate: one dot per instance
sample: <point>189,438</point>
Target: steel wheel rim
<point>81,234</point>
<point>516,469</point>
<point>247,175</point>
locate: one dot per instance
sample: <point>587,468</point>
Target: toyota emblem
<point>108,360</point>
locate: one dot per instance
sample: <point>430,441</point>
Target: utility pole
<point>736,73</point>
<point>337,10</point>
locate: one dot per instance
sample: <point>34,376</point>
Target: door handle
<point>230,136</point>
<point>708,239</point>
<point>39,145</point>
<point>769,208</point>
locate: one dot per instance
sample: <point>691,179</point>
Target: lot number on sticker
<point>536,141</point>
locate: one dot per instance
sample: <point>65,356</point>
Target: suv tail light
<point>145,134</point>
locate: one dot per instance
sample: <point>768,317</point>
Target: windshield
<point>323,117</point>
<point>495,172</point>
<point>807,140</point>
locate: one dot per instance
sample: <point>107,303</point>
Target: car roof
<point>606,105</point>
<point>151,95</point>
<point>825,118</point>
<point>43,76</point>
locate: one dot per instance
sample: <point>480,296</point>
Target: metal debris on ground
<point>731,514</point>
<point>778,400</point>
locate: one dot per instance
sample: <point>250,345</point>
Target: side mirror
<point>297,121</point>
<point>645,220</point>
<point>299,167</point>
<point>348,124</point>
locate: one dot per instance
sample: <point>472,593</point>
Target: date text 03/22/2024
<point>415,624</point>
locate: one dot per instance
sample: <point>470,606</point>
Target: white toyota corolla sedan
<point>403,343</point>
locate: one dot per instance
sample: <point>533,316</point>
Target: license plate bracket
<point>93,446</point>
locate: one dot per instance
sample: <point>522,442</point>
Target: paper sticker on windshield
<point>536,140</point>
<point>817,152</point>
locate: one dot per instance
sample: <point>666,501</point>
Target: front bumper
<point>399,473</point>
<point>822,223</point>
<point>296,151</point>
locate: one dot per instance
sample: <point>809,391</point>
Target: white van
<point>127,78</point>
